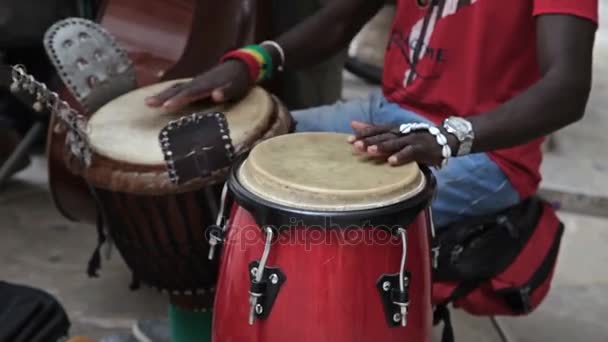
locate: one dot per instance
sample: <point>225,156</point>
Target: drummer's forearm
<point>325,33</point>
<point>559,98</point>
<point>545,108</point>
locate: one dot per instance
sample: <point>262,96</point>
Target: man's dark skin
<point>564,49</point>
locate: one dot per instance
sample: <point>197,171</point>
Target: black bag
<point>30,315</point>
<point>479,248</point>
<point>498,265</point>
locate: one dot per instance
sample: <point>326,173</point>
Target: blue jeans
<point>471,185</point>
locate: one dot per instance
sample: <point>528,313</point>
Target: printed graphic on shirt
<point>415,47</point>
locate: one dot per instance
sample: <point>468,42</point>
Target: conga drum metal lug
<point>394,301</point>
<point>268,288</point>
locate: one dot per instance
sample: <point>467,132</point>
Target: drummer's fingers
<point>363,130</point>
<point>226,92</point>
<point>160,98</point>
<point>356,126</point>
<point>187,95</point>
<point>367,143</point>
<point>389,145</point>
<point>218,95</point>
<point>404,156</point>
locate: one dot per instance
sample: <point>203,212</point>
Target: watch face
<point>461,128</point>
<point>460,124</point>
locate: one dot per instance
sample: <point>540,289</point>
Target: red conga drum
<point>158,226</point>
<point>324,245</point>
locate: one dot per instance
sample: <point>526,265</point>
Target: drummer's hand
<point>224,82</point>
<point>382,142</point>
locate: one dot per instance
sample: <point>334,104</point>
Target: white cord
<point>279,49</point>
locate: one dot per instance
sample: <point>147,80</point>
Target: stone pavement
<point>40,248</point>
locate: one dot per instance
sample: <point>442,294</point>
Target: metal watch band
<point>463,131</point>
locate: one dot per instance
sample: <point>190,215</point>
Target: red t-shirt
<point>474,56</point>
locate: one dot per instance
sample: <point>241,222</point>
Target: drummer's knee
<point>471,186</point>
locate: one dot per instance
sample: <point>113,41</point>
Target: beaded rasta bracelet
<point>257,59</point>
<point>253,67</point>
<point>263,58</point>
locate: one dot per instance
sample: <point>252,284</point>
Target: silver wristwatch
<point>462,129</point>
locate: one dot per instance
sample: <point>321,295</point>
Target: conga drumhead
<point>321,172</point>
<point>127,130</point>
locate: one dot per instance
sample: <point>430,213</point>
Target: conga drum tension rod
<point>217,231</point>
<point>394,289</point>
<point>265,283</point>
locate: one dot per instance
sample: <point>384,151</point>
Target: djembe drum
<point>159,226</point>
<point>325,245</point>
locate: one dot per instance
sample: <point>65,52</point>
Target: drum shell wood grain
<point>162,240</point>
<point>330,292</point>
